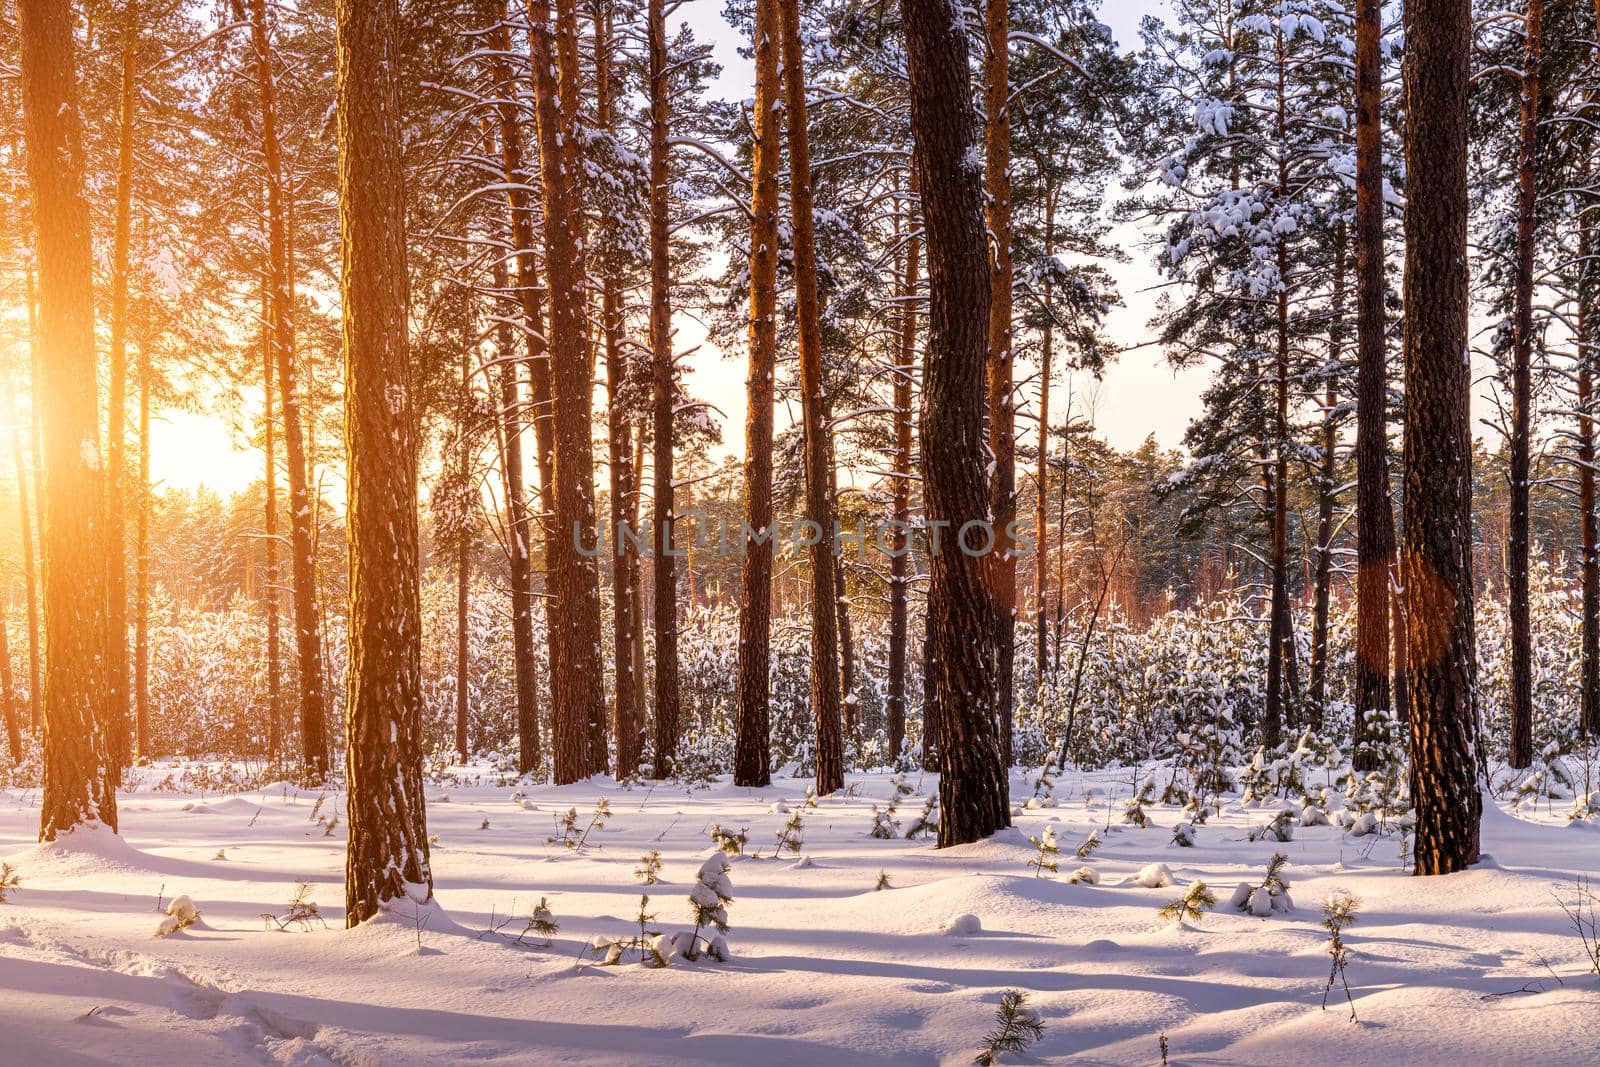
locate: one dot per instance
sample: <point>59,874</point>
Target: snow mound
<point>85,851</point>
<point>1153,876</point>
<point>965,924</point>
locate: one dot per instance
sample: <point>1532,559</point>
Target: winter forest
<point>775,532</point>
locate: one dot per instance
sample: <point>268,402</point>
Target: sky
<point>1138,396</point>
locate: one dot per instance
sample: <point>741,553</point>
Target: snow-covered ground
<point>825,967</point>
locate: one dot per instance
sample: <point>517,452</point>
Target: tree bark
<point>1326,484</point>
<point>388,848</point>
<point>1279,646</point>
<point>1041,571</point>
<point>1002,415</point>
<point>619,438</point>
<point>1589,666</point>
<point>30,578</point>
<point>1374,508</point>
<point>900,519</point>
<point>520,532</point>
<point>270,521</point>
<point>463,564</point>
<point>963,616</point>
<point>663,399</point>
<point>302,538</point>
<point>141,579</point>
<point>819,506</point>
<point>117,404</point>
<point>577,679</point>
<point>752,755</point>
<point>79,770</point>
<point>1517,535</point>
<point>1436,552</point>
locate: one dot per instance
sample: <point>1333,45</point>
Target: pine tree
<point>388,841</point>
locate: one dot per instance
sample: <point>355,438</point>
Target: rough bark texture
<point>962,613</point>
<point>819,509</point>
<point>117,405</point>
<point>79,776</point>
<point>900,561</point>
<point>752,756</point>
<point>577,675</point>
<point>1042,478</point>
<point>1280,647</point>
<point>388,848</point>
<point>141,579</point>
<point>1589,666</point>
<point>519,523</point>
<point>619,438</point>
<point>1436,557</point>
<point>663,398</point>
<point>1374,509</point>
<point>1002,416</point>
<point>270,522</point>
<point>1521,636</point>
<point>302,538</point>
<point>1327,484</point>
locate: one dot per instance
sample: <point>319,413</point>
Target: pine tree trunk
<point>663,397</point>
<point>520,532</point>
<point>463,567</point>
<point>79,768</point>
<point>1326,484</point>
<point>577,678</point>
<point>752,756</point>
<point>818,505</point>
<point>900,556</point>
<point>30,579</point>
<point>963,615</point>
<point>388,848</point>
<point>270,594</point>
<point>1437,550</point>
<point>117,405</point>
<point>619,437</point>
<point>1041,570</point>
<point>1374,509</point>
<point>1589,667</point>
<point>1517,536</point>
<point>141,575</point>
<point>1279,645</point>
<point>308,637</point>
<point>851,702</point>
<point>1002,416</point>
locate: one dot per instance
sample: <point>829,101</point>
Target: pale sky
<point>1139,395</point>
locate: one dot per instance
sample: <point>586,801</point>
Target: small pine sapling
<point>791,837</point>
<point>926,821</point>
<point>1183,835</point>
<point>1090,843</point>
<point>1048,851</point>
<point>885,826</point>
<point>1133,812</point>
<point>1084,876</point>
<point>1280,829</point>
<point>181,914</point>
<point>882,883</point>
<point>302,911</point>
<point>1192,905</point>
<point>649,869</point>
<point>1016,1027</point>
<point>542,924</point>
<point>612,949</point>
<point>1272,894</point>
<point>708,901</point>
<point>729,842</point>
<point>1339,912</point>
<point>1584,915</point>
<point>10,880</point>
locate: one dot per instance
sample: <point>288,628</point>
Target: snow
<point>823,967</point>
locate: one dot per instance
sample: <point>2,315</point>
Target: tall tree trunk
<point>1374,509</point>
<point>851,700</point>
<point>577,679</point>
<point>1041,570</point>
<point>1517,536</point>
<point>308,636</point>
<point>819,505</point>
<point>900,519</point>
<point>752,756</point>
<point>619,438</point>
<point>1326,485</point>
<point>1002,415</point>
<point>8,701</point>
<point>963,615</point>
<point>520,532</point>
<point>1279,645</point>
<point>1589,669</point>
<point>388,850</point>
<point>141,573</point>
<point>463,562</point>
<point>664,397</point>
<point>270,596</point>
<point>1436,556</point>
<point>79,760</point>
<point>30,579</point>
<point>117,403</point>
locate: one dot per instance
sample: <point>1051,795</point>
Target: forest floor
<point>1478,968</point>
